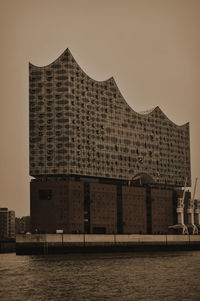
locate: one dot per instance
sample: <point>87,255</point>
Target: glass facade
<point>80,126</point>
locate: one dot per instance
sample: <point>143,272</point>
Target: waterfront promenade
<point>64,243</point>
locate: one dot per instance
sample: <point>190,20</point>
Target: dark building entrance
<point>99,230</point>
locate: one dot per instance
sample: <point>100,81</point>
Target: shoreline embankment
<point>80,243</point>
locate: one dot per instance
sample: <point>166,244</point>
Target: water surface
<point>117,276</point>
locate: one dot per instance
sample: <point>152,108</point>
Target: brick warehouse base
<point>88,206</point>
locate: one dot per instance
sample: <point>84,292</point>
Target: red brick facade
<point>162,210</point>
<point>57,205</point>
<point>103,209</point>
<point>134,209</point>
<point>74,207</point>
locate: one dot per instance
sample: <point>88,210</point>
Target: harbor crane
<point>180,213</point>
<point>190,211</point>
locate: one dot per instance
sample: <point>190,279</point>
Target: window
<point>45,194</point>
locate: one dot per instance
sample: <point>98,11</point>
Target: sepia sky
<point>150,47</point>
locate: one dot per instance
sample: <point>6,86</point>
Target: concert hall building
<point>97,165</point>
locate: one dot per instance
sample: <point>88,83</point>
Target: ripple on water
<point>129,276</point>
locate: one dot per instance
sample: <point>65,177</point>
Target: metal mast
<point>190,211</point>
<point>180,213</point>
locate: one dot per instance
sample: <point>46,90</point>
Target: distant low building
<point>22,225</point>
<point>7,223</point>
<point>26,224</point>
<point>17,225</point>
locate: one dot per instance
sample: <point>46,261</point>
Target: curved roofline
<point>67,50</point>
<point>141,175</point>
<point>151,111</point>
<point>114,82</point>
<point>44,66</point>
<point>166,117</point>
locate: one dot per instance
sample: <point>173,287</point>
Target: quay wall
<point>66,243</point>
<point>7,246</point>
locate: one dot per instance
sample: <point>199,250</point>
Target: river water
<point>119,276</point>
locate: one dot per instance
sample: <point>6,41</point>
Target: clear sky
<point>150,47</point>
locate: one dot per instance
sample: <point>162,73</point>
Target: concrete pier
<point>68,243</point>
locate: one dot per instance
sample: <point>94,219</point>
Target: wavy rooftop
<point>81,126</point>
